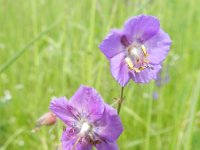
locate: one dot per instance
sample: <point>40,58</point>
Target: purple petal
<point>62,109</point>
<point>141,28</point>
<point>88,102</point>
<point>109,127</point>
<point>107,146</point>
<point>119,69</point>
<point>69,142</point>
<point>146,75</point>
<point>112,45</point>
<point>158,47</point>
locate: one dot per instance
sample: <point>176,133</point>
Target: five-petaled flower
<point>137,51</point>
<point>90,122</point>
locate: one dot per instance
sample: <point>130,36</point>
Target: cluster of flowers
<point>135,52</point>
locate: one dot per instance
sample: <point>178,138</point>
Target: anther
<point>136,70</point>
<point>142,68</point>
<point>144,50</point>
<point>146,61</point>
<point>129,63</point>
<point>150,67</point>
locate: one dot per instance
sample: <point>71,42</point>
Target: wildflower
<point>90,122</point>
<point>137,51</point>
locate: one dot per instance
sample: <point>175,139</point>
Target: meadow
<point>48,48</point>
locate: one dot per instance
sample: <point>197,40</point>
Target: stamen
<point>129,63</point>
<point>146,61</point>
<point>149,66</point>
<point>144,50</point>
<point>137,58</point>
<point>77,141</point>
<point>142,68</point>
<point>136,70</point>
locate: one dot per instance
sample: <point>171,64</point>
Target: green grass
<point>35,66</point>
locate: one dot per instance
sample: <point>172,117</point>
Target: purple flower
<point>90,122</point>
<point>137,51</point>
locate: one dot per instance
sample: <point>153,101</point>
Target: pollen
<point>144,50</point>
<point>129,63</point>
<point>136,70</point>
<point>146,60</point>
<point>142,68</point>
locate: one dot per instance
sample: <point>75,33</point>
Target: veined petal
<point>119,69</point>
<point>146,75</point>
<point>62,109</point>
<point>112,45</point>
<point>68,143</point>
<point>107,146</point>
<point>141,28</point>
<point>88,102</point>
<point>158,47</point>
<point>109,127</point>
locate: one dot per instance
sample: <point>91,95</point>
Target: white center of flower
<point>135,53</point>
<point>85,128</point>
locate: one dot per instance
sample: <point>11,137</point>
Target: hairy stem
<point>121,99</point>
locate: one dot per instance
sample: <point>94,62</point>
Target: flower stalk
<point>121,99</point>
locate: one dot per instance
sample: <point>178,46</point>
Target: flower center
<point>135,53</point>
<point>86,134</point>
<point>136,58</point>
<point>86,127</point>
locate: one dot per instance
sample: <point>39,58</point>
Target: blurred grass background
<point>67,55</point>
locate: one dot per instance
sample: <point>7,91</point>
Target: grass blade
<point>26,47</point>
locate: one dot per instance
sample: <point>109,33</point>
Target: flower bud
<point>47,119</point>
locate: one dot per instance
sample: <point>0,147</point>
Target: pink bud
<point>47,119</point>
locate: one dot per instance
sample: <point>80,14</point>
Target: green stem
<point>194,99</point>
<point>120,100</point>
<point>148,133</point>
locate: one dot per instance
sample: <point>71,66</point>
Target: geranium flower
<point>90,122</point>
<point>137,51</point>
